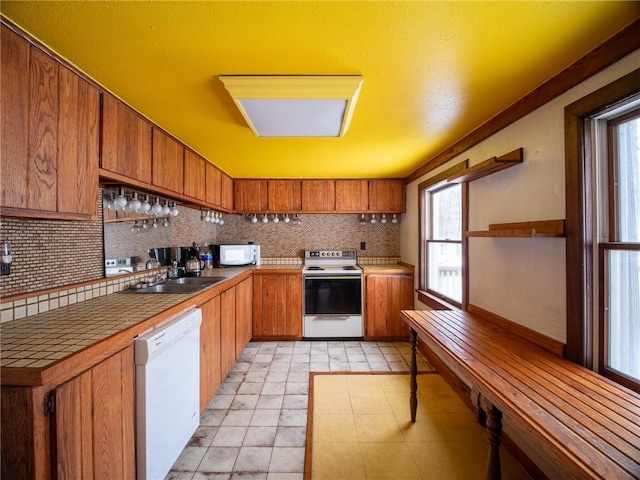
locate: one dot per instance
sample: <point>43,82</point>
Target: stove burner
<point>314,268</point>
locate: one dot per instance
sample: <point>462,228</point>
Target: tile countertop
<point>31,346</point>
<point>391,268</point>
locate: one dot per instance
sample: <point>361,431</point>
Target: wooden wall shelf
<point>539,229</point>
<point>493,165</point>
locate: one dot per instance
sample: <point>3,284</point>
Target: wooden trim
<point>464,302</point>
<point>606,54</point>
<point>620,246</point>
<point>433,302</point>
<point>492,165</point>
<point>549,344</point>
<point>544,228</point>
<point>42,214</point>
<point>578,181</point>
<point>434,181</point>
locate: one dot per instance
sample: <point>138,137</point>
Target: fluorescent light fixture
<point>295,106</point>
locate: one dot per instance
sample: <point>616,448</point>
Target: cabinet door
<point>213,192</point>
<point>387,196</point>
<point>168,162</point>
<point>285,196</point>
<point>227,192</point>
<point>126,141</point>
<point>194,175</point>
<point>244,317</point>
<point>227,331</point>
<point>29,125</point>
<point>113,417</point>
<point>72,429</point>
<point>49,135</point>
<point>250,196</point>
<point>78,145</point>
<point>386,295</point>
<point>318,196</point>
<point>277,305</point>
<point>209,351</point>
<point>93,423</point>
<point>352,196</point>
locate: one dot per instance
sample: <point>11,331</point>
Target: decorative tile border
<point>46,300</point>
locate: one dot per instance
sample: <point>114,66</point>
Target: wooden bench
<point>587,424</point>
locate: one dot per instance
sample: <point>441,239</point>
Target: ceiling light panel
<point>295,106</point>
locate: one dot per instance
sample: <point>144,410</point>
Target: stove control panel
<point>317,254</point>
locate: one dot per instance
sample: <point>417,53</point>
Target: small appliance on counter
<point>234,255</point>
<point>194,266</point>
<point>162,255</point>
<point>183,254</point>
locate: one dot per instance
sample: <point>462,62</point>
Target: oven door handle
<point>334,277</point>
<point>330,317</point>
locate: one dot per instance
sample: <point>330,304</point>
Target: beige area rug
<point>359,428</point>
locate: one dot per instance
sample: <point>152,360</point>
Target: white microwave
<point>234,255</point>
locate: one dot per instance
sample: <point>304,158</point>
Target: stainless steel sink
<point>176,285</point>
<point>195,280</point>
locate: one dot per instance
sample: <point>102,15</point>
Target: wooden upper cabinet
<point>285,196</point>
<point>387,196</point>
<point>194,175</point>
<point>49,135</point>
<point>213,191</point>
<point>318,196</point>
<point>78,145</point>
<point>126,141</point>
<point>250,196</point>
<point>168,162</point>
<point>226,201</point>
<point>352,196</point>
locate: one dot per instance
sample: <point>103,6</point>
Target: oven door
<point>333,306</point>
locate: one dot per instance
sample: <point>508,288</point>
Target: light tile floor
<point>255,426</point>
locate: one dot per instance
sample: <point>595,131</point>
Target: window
<point>602,165</point>
<point>444,243</point>
<point>618,221</point>
<point>441,240</point>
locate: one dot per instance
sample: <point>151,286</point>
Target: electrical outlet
<point>363,245</point>
<point>5,269</point>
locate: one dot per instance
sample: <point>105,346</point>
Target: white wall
<point>520,279</point>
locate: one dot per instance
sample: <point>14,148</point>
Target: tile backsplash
<point>50,253</point>
<point>314,232</point>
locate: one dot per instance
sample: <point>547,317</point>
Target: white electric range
<point>332,294</point>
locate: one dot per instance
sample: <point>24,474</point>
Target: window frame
<point>612,243</point>
<point>579,176</point>
<point>433,299</point>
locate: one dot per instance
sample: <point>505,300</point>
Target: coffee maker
<point>185,257</point>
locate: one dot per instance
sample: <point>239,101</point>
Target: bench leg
<point>413,400</point>
<point>494,427</point>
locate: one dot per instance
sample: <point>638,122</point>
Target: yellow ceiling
<point>433,71</point>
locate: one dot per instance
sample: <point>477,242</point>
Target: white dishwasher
<point>167,393</point>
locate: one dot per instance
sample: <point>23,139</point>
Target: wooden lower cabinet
<point>227,330</point>
<point>385,296</point>
<point>210,375</point>
<point>244,314</point>
<point>277,305</point>
<point>90,433</point>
